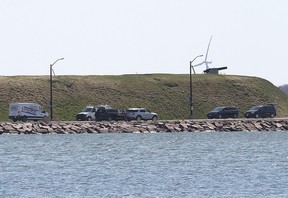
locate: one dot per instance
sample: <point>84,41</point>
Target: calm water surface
<point>215,164</point>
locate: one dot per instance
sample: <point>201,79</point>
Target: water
<point>214,164</point>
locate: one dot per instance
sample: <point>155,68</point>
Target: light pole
<point>50,103</point>
<point>190,97</point>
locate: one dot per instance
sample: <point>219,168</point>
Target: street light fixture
<point>190,97</point>
<point>50,103</point>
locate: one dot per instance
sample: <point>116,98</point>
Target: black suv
<point>223,112</point>
<point>261,111</point>
<point>109,114</point>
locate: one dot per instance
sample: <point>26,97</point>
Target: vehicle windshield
<point>87,109</point>
<point>217,109</point>
<point>255,108</point>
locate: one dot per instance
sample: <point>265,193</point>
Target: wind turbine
<point>206,56</point>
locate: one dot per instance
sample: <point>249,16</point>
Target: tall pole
<point>51,98</point>
<point>190,97</point>
<point>50,102</point>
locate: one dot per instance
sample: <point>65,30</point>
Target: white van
<point>27,111</point>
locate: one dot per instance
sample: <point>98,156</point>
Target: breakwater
<point>144,126</point>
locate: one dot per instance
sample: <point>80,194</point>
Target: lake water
<point>216,164</point>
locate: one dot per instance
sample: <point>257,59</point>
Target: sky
<point>114,37</point>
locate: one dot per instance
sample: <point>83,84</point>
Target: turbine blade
<point>206,56</point>
<point>198,64</point>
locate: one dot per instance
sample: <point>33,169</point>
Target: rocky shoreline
<point>63,127</point>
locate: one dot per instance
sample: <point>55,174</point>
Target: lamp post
<point>50,103</point>
<point>190,97</point>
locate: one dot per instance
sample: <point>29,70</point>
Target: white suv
<point>88,113</point>
<point>140,114</point>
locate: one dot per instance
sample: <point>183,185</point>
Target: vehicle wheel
<point>24,118</point>
<point>272,115</point>
<point>15,119</point>
<point>220,116</point>
<point>109,118</point>
<point>46,119</point>
<point>154,118</point>
<point>89,119</point>
<point>256,116</point>
<point>138,118</point>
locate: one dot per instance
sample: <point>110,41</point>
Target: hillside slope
<point>166,94</point>
<point>284,88</point>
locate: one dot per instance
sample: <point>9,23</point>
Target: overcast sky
<point>111,37</point>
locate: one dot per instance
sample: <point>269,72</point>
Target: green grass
<point>166,94</point>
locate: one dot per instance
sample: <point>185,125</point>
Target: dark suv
<point>223,112</point>
<point>109,114</point>
<point>261,111</point>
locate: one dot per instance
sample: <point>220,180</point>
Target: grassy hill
<point>284,88</point>
<point>166,94</point>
